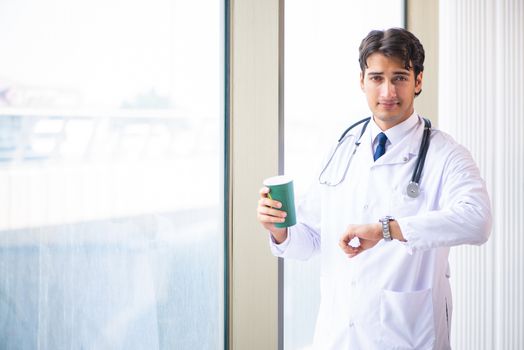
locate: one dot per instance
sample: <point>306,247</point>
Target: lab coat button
<point>366,207</point>
<point>406,159</point>
<point>351,324</point>
<point>353,284</point>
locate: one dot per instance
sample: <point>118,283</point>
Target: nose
<point>387,90</point>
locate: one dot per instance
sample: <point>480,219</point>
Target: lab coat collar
<point>396,152</point>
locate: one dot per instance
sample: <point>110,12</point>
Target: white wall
<point>422,21</point>
<point>481,92</point>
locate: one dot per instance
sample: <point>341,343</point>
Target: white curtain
<point>481,102</point>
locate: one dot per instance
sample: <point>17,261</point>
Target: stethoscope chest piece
<point>413,189</point>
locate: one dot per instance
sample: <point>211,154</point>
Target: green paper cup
<point>281,189</point>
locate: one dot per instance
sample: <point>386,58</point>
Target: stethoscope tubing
<point>355,125</point>
<point>424,146</point>
<point>421,159</point>
<point>339,143</point>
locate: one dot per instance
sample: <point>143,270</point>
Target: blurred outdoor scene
<point>111,185</point>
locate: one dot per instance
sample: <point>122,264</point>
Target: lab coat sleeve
<point>464,210</point>
<point>303,240</point>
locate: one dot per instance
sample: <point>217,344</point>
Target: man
<point>384,246</point>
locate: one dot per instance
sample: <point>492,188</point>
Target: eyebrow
<point>400,72</point>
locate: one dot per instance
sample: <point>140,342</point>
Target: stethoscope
<point>413,188</point>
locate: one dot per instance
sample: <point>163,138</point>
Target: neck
<point>389,122</point>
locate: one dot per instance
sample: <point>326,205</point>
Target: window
<point>322,98</point>
<point>111,174</point>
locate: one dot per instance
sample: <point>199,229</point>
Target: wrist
<point>385,226</point>
<point>395,231</point>
<point>378,231</point>
<point>279,235</point>
<point>389,229</point>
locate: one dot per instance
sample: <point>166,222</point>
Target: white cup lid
<point>277,180</point>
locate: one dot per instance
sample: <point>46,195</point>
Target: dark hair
<point>393,42</point>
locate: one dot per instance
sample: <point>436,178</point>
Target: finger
<point>270,219</point>
<point>347,248</point>
<point>349,234</point>
<point>354,252</point>
<point>264,191</point>
<point>271,212</point>
<point>347,237</point>
<point>269,203</point>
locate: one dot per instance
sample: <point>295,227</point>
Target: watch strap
<point>385,227</point>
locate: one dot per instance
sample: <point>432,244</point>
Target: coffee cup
<point>281,189</point>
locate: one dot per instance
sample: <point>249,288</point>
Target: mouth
<point>389,104</point>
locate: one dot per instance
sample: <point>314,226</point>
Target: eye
<point>375,78</point>
<point>400,78</point>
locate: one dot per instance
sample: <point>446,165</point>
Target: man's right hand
<point>268,214</point>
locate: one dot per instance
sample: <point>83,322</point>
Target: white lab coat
<point>395,295</point>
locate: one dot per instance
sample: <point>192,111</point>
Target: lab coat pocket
<point>406,320</point>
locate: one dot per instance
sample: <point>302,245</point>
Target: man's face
<point>390,89</point>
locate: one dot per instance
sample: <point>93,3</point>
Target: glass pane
<point>322,98</point>
<point>111,174</point>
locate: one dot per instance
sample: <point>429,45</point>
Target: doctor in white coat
<point>384,251</point>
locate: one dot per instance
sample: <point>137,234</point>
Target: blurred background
<point>111,173</point>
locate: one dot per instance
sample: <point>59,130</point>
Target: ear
<point>418,82</point>
<point>362,80</point>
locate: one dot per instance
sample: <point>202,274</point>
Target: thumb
<point>346,238</point>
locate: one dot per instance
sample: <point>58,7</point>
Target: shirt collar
<point>396,133</point>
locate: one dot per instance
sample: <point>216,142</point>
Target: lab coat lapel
<point>366,156</point>
<point>403,151</point>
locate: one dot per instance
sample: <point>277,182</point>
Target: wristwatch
<point>385,227</point>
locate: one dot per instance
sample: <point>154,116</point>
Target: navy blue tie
<point>381,148</point>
